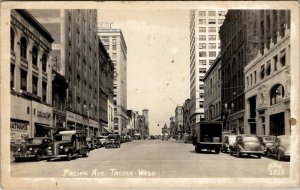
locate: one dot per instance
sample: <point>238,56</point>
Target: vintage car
<point>33,148</point>
<point>113,141</point>
<point>102,140</point>
<point>266,141</point>
<point>246,144</point>
<point>228,140</point>
<point>68,144</point>
<point>281,148</point>
<point>90,143</point>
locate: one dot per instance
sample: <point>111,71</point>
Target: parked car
<point>102,140</point>
<point>266,141</point>
<point>68,144</point>
<point>33,148</point>
<point>281,148</point>
<point>113,141</point>
<point>90,143</point>
<point>246,144</point>
<point>228,140</point>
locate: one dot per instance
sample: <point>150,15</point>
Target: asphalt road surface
<point>155,159</point>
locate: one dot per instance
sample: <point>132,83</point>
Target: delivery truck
<point>208,136</point>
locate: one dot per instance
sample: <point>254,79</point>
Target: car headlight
<point>49,148</point>
<point>30,148</point>
<point>19,149</point>
<point>61,147</point>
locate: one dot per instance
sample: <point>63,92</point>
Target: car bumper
<point>24,155</point>
<point>251,152</point>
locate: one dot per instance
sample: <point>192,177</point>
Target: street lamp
<point>88,115</point>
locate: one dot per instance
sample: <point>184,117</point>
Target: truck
<point>208,136</point>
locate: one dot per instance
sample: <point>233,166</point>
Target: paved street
<point>153,158</point>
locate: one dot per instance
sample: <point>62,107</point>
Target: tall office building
<point>115,45</point>
<point>75,56</point>
<point>204,48</point>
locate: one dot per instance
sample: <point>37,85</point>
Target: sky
<point>157,60</point>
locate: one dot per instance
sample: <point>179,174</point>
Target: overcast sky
<point>157,60</point>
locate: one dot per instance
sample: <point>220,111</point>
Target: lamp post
<point>88,115</point>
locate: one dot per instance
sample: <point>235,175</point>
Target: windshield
<point>251,139</point>
<point>34,141</point>
<point>63,138</point>
<point>231,139</point>
<point>268,139</point>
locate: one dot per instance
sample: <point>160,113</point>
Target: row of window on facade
<point>210,29</point>
<point>204,62</point>
<point>210,45</point>
<point>210,37</point>
<point>210,54</point>
<point>213,111</point>
<point>210,21</point>
<point>266,69</point>
<point>211,13</point>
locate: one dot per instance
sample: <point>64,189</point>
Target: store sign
<point>18,127</point>
<point>74,117</point>
<point>42,114</point>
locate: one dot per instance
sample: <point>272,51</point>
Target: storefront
<point>75,121</point>
<point>94,126</point>
<point>42,120</point>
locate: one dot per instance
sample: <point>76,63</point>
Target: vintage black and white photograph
<point>109,91</point>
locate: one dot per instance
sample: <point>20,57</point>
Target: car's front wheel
<point>37,157</point>
<point>238,153</point>
<point>69,156</point>
<point>259,156</point>
<point>86,154</point>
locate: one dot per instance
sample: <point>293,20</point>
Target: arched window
<point>277,94</point>
<point>44,62</point>
<point>12,39</point>
<point>23,48</point>
<point>34,55</point>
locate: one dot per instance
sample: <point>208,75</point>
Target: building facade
<point>204,48</point>
<point>186,116</point>
<point>75,54</point>
<point>242,34</point>
<point>268,89</point>
<point>115,45</point>
<point>30,78</point>
<point>179,120</point>
<point>172,126</point>
<point>212,88</point>
<point>106,94</point>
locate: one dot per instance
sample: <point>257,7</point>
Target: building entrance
<point>277,124</point>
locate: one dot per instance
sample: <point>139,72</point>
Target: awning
<point>46,126</point>
<point>106,130</point>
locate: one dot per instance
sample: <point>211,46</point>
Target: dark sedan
<point>266,141</point>
<point>35,148</point>
<point>281,148</point>
<point>246,145</point>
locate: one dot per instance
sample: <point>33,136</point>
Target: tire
<point>268,153</point>
<point>217,151</point>
<point>238,154</point>
<point>279,157</point>
<point>48,159</point>
<point>230,152</point>
<point>17,159</point>
<point>69,156</point>
<point>37,157</point>
<point>86,154</point>
<point>259,156</point>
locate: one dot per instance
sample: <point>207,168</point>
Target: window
<point>201,104</point>
<point>34,55</point>
<point>212,29</point>
<point>212,54</point>
<point>268,68</point>
<point>202,46</point>
<point>23,80</point>
<point>12,76</point>
<point>202,70</point>
<point>277,94</point>
<point>12,39</point>
<point>201,87</point>
<point>275,59</point>
<point>201,78</point>
<point>221,13</point>
<point>23,48</point>
<point>202,13</point>
<point>202,29</point>
<point>202,21</point>
<point>219,45</point>
<point>220,21</point>
<point>201,95</point>
<point>211,13</point>
<point>254,77</point>
<point>114,55</point>
<point>262,72</point>
<point>282,58</point>
<point>106,47</point>
<point>212,37</point>
<point>211,61</point>
<point>211,21</point>
<point>114,47</point>
<point>247,81</point>
<point>202,54</point>
<point>202,62</point>
<point>44,91</point>
<point>105,39</point>
<point>212,46</point>
<point>34,85</point>
<point>202,37</point>
<point>44,62</point>
<point>251,79</point>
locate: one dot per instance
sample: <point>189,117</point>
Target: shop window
<point>34,55</point>
<point>277,94</point>
<point>23,48</point>
<point>23,80</point>
<point>44,62</point>
<point>12,39</point>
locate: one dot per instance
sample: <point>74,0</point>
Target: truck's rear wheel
<point>69,156</point>
<point>217,151</point>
